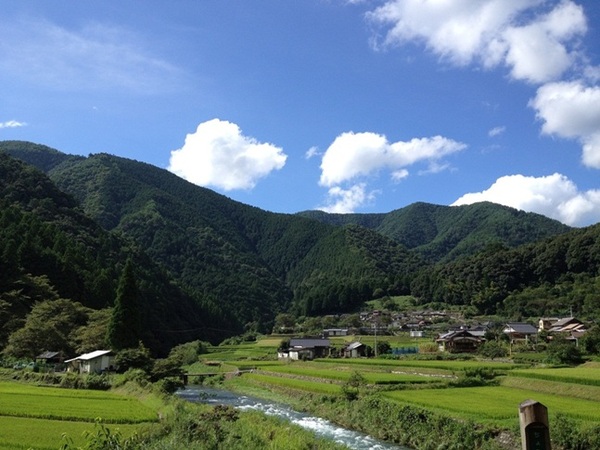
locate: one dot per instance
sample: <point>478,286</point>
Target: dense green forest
<point>50,250</point>
<point>208,267</point>
<point>444,233</point>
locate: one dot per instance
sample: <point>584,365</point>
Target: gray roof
<point>48,355</point>
<point>308,342</point>
<point>354,345</point>
<point>564,321</point>
<point>519,327</point>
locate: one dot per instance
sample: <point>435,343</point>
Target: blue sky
<point>346,106</point>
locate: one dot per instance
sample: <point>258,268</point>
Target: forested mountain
<point>252,262</point>
<point>556,276</point>
<point>444,233</point>
<point>195,249</point>
<point>50,250</point>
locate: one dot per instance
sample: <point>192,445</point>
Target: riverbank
<point>372,414</point>
<point>134,417</point>
<point>320,427</point>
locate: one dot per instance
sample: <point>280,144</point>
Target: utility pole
<point>376,339</point>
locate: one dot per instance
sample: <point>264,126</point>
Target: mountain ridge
<point>253,264</point>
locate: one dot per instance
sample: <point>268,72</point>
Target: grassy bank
<point>470,403</point>
<point>132,417</point>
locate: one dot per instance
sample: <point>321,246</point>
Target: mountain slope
<point>444,233</point>
<point>44,235</point>
<point>254,263</point>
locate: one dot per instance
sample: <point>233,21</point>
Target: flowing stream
<point>321,427</point>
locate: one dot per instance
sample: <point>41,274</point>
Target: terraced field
<point>36,417</point>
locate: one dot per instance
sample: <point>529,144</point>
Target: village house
<point>520,331</point>
<point>305,348</point>
<point>460,341</point>
<point>94,362</point>
<point>570,328</point>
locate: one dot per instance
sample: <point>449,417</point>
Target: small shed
<point>355,350</point>
<point>94,362</point>
<point>50,358</point>
<point>327,332</point>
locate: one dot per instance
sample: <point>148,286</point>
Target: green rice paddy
<point>36,417</point>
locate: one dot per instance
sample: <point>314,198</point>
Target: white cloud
<point>345,201</point>
<point>516,33</point>
<point>353,155</point>
<point>311,152</point>
<point>571,110</point>
<point>399,174</point>
<point>219,155</point>
<point>93,57</point>
<point>496,131</point>
<point>12,124</point>
<point>537,52</point>
<point>554,196</point>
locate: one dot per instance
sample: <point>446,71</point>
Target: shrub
<point>165,368</point>
<point>134,358</point>
<point>560,351</point>
<point>138,376</point>
<point>72,381</point>
<point>168,385</point>
<point>493,349</point>
<point>351,388</point>
<point>98,382</point>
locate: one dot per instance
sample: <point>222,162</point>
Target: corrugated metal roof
<point>518,327</point>
<point>306,342</point>
<point>91,355</point>
<point>47,355</point>
<point>354,345</point>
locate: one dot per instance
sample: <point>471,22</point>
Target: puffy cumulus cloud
<point>554,196</point>
<point>219,155</point>
<point>516,33</point>
<point>95,56</point>
<point>344,201</point>
<point>352,155</point>
<point>571,110</point>
<point>537,52</point>
<point>12,124</point>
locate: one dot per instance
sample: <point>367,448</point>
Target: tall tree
<point>125,329</point>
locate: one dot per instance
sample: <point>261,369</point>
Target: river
<point>323,428</point>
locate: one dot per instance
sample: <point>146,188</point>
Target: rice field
<point>340,374</point>
<point>440,365</point>
<point>588,374</point>
<point>497,404</point>
<point>318,387</point>
<point>36,417</point>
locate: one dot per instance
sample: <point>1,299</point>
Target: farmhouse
<point>519,331</point>
<point>305,348</point>
<point>93,362</point>
<point>460,341</point>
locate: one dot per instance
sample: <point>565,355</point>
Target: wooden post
<point>535,434</point>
